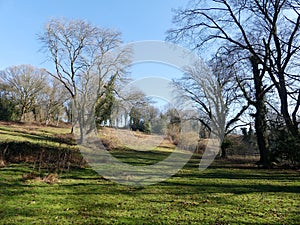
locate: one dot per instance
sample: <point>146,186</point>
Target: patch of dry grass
<point>120,139</point>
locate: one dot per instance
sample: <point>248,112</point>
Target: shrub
<point>285,148</point>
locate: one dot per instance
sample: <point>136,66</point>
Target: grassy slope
<point>215,196</point>
<point>32,133</point>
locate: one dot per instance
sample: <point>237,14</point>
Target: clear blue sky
<point>22,20</point>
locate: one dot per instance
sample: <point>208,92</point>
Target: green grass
<point>215,196</point>
<point>218,195</point>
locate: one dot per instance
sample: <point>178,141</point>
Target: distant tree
<point>8,110</point>
<point>24,84</point>
<point>214,95</point>
<point>126,102</point>
<point>52,101</point>
<point>173,125</point>
<point>68,110</point>
<point>145,126</point>
<point>141,115</point>
<point>136,118</point>
<point>159,124</point>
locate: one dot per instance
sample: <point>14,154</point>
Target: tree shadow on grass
<point>140,158</point>
<point>242,174</point>
<point>212,187</point>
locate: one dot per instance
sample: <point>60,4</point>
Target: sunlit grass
<point>42,135</point>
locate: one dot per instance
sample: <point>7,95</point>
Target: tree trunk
<point>283,95</point>
<point>22,113</point>
<point>261,134</point>
<point>260,115</point>
<point>223,152</point>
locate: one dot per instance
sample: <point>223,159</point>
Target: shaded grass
<point>51,147</point>
<point>140,158</point>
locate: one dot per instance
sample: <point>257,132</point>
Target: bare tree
<point>24,84</point>
<point>126,99</point>
<point>215,95</point>
<point>251,80</point>
<point>52,101</point>
<point>266,32</point>
<point>282,20</point>
<point>84,61</point>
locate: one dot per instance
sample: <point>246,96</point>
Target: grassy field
<point>218,195</point>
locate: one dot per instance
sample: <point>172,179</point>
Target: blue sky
<point>22,20</point>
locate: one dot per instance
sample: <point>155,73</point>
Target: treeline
<point>252,79</point>
<point>28,94</point>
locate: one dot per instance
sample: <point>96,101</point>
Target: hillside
<point>50,146</point>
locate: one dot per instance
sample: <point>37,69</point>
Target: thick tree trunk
<point>283,95</point>
<point>260,116</point>
<point>223,152</point>
<point>262,135</point>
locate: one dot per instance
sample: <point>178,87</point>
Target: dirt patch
<point>51,178</point>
